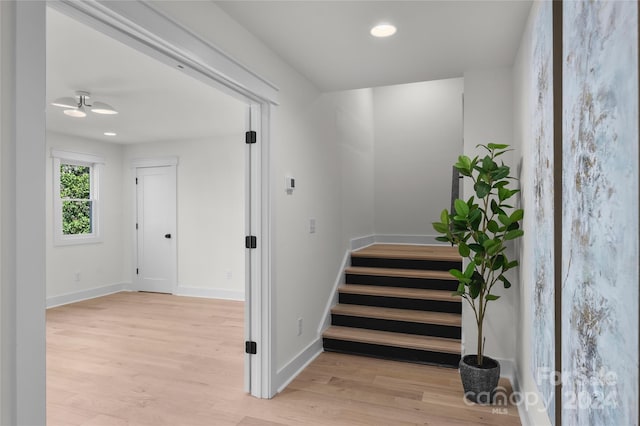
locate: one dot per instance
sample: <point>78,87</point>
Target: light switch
<point>290,184</point>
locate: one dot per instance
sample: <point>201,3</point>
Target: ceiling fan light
<point>67,102</point>
<point>102,108</point>
<point>75,113</point>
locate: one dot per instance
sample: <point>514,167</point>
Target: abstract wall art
<point>600,213</point>
<point>541,195</point>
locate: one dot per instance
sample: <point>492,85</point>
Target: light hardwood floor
<point>151,360</point>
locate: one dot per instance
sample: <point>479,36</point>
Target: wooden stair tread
<point>411,252</point>
<point>386,338</point>
<point>400,292</point>
<point>404,273</point>
<point>393,314</point>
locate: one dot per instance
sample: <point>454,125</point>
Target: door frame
<point>139,25</point>
<point>143,163</point>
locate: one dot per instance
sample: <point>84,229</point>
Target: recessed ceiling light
<point>383,30</point>
<point>110,133</point>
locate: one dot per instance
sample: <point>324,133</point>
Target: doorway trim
<point>141,26</point>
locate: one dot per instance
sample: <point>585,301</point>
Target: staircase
<point>397,304</point>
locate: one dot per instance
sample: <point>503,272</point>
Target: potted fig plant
<point>480,228</point>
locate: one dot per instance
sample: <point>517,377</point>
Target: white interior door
<point>156,229</point>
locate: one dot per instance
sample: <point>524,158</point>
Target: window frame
<point>95,164</point>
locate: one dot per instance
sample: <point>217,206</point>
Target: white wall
<point>418,137</point>
<point>211,210</point>
<point>5,99</point>
<point>354,135</point>
<point>303,265</point>
<point>522,142</point>
<point>488,118</point>
<point>99,264</point>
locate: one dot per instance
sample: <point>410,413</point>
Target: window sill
<point>79,240</point>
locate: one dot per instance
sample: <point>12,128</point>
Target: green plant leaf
<point>503,193</point>
<point>461,289</point>
<point>468,272</point>
<point>493,226</point>
<point>512,235</point>
<point>482,189</point>
<point>444,217</point>
<point>459,276</point>
<point>489,242</point>
<point>443,239</point>
<point>513,226</point>
<point>440,227</point>
<point>492,297</point>
<point>504,219</point>
<point>511,264</point>
<point>482,237</point>
<point>462,209</point>
<point>505,281</point>
<point>494,207</point>
<point>494,146</point>
<point>500,173</point>
<point>476,247</point>
<point>464,165</point>
<point>498,261</point>
<point>474,289</point>
<point>488,164</point>
<point>464,250</point>
<point>517,215</point>
<point>495,248</point>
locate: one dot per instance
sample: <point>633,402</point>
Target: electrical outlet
<point>76,276</point>
<point>312,225</point>
<point>299,326</point>
<point>229,275</point>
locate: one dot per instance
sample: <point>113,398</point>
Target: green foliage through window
<point>75,192</point>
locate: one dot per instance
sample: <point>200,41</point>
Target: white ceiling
<point>156,102</point>
<point>329,41</point>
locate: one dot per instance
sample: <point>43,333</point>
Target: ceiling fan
<point>77,107</point>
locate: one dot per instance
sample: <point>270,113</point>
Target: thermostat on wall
<point>290,182</point>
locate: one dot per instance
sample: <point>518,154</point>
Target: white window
<point>76,201</point>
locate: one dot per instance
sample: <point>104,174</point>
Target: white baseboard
<point>408,239</point>
<point>86,294</point>
<point>509,369</point>
<point>360,242</point>
<point>534,414</point>
<point>210,293</point>
<point>290,371</point>
<point>333,296</point>
<point>368,240</point>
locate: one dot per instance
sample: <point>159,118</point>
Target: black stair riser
<point>427,265</point>
<point>392,352</point>
<point>400,303</point>
<point>407,327</point>
<point>424,283</point>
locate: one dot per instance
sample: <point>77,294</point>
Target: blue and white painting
<point>600,213</point>
<point>541,195</point>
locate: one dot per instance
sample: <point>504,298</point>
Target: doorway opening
<point>154,33</point>
<point>209,178</point>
